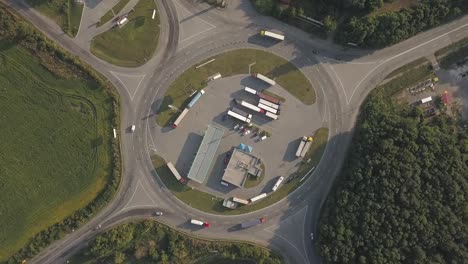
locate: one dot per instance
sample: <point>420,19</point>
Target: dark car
<point>226,158</point>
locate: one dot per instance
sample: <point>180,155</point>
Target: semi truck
<point>251,223</point>
<point>271,115</point>
<point>241,201</point>
<point>271,35</point>
<point>258,197</point>
<point>264,78</point>
<point>277,184</point>
<point>199,223</point>
<point>195,98</point>
<point>239,117</point>
<point>269,98</point>
<point>307,146</point>
<point>179,118</point>
<point>301,146</point>
<point>269,109</point>
<point>250,90</point>
<point>268,103</point>
<point>175,172</point>
<point>252,107</point>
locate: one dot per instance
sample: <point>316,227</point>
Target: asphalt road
<point>190,33</point>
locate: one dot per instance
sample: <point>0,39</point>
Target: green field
<point>134,43</point>
<point>151,242</point>
<point>55,146</point>
<point>212,204</point>
<point>231,63</point>
<point>67,14</point>
<point>115,10</point>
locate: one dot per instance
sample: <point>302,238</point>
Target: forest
<point>402,194</point>
<point>361,22</point>
<point>150,242</point>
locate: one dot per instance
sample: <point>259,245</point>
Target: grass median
<point>56,145</point>
<point>212,204</point>
<point>232,63</point>
<point>67,14</point>
<point>134,43</point>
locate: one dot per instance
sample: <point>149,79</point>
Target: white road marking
<point>126,88</point>
<point>291,244</point>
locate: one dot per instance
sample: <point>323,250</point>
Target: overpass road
<point>191,32</point>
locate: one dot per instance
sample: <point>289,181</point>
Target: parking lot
<point>180,145</point>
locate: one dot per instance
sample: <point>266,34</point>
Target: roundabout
<point>340,88</point>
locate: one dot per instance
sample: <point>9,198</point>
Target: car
<point>311,236</point>
<point>236,126</point>
<point>158,213</point>
<point>227,157</point>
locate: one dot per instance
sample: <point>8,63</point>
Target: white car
<point>311,236</point>
<point>158,213</point>
<point>132,128</point>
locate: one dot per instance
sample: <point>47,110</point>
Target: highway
<point>190,33</point>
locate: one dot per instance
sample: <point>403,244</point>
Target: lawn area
<point>232,63</point>
<point>55,148</point>
<point>212,204</point>
<point>407,79</point>
<point>67,14</point>
<point>151,242</point>
<point>408,67</point>
<point>134,43</point>
<point>109,14</point>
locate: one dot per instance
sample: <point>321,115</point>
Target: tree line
<point>402,196</point>
<point>19,32</point>
<point>354,21</point>
<point>148,241</point>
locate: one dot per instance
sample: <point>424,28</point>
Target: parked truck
<point>195,98</point>
<point>253,222</point>
<point>306,146</point>
<point>269,98</point>
<point>301,146</point>
<point>179,118</point>
<point>264,78</point>
<point>252,107</point>
<point>271,35</point>
<point>240,117</point>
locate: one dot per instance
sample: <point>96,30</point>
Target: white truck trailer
<point>250,90</point>
<point>241,201</point>
<point>306,146</point>
<point>268,103</point>
<point>179,118</point>
<point>175,172</point>
<point>271,115</point>
<point>270,34</point>
<point>258,197</point>
<point>252,107</point>
<point>238,116</point>
<point>269,109</point>
<point>278,183</point>
<point>264,78</point>
<point>301,146</point>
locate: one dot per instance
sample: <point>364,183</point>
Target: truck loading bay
<point>277,152</point>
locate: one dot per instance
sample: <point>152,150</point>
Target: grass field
<point>134,43</point>
<point>407,79</point>
<point>408,67</point>
<point>151,242</point>
<point>67,14</point>
<point>231,63</point>
<point>212,204</point>
<point>116,9</point>
<point>55,146</point>
<point>455,54</point>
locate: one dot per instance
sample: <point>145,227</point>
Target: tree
<point>329,24</point>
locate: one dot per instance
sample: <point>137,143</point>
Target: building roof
<point>205,154</point>
<point>239,165</point>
